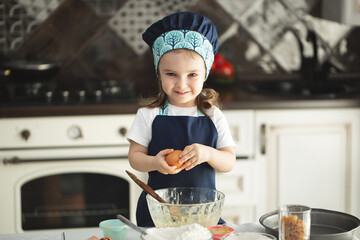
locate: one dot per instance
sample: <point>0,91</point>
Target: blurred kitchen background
<point>71,73</point>
<point>99,42</point>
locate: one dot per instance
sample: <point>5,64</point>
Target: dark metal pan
<point>325,224</point>
<point>30,70</point>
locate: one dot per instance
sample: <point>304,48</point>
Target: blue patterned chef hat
<point>183,30</point>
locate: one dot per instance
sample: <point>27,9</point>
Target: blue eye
<point>192,74</point>
<point>171,74</point>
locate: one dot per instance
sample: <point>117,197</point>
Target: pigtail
<point>206,99</point>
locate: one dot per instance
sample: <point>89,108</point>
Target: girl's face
<point>182,74</point>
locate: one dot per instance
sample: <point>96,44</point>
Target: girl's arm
<point>141,161</point>
<point>222,159</point>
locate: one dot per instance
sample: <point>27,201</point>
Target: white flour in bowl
<point>189,232</point>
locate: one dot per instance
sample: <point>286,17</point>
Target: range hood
<point>342,11</point>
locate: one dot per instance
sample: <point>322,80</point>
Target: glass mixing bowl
<point>186,205</point>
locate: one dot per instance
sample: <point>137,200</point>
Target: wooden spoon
<point>146,187</point>
<point>173,209</point>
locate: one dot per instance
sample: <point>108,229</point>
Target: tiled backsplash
<point>257,36</point>
<point>130,21</point>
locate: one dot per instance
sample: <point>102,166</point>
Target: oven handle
<point>17,160</point>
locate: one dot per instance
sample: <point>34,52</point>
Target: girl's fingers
<point>187,157</point>
<point>191,163</point>
<point>166,151</point>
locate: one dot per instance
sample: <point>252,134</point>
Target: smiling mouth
<point>181,93</point>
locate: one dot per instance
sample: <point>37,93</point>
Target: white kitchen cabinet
<point>239,185</point>
<point>308,157</point>
<point>241,123</point>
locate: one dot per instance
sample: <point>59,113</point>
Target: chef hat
<point>183,30</point>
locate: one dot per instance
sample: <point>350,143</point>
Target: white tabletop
<point>84,234</point>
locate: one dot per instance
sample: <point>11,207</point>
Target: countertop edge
<point>131,108</point>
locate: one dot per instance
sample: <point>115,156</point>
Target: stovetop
<point>49,94</point>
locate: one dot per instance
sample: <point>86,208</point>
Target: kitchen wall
<point>96,40</point>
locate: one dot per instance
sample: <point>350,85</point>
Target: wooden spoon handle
<point>146,187</point>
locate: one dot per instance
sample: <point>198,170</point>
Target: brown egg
<point>173,158</point>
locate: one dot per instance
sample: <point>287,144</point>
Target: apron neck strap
<point>163,111</point>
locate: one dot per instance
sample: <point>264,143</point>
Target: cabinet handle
<point>123,131</point>
<point>263,139</point>
<point>240,183</point>
<point>236,133</point>
<point>25,134</point>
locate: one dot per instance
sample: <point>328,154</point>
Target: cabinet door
<point>311,158</point>
<point>239,187</point>
<point>239,214</point>
<point>241,123</point>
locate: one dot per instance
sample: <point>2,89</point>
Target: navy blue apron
<point>177,132</point>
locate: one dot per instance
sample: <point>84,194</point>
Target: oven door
<point>65,193</point>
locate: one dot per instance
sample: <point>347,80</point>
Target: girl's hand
<point>193,155</point>
<point>161,164</point>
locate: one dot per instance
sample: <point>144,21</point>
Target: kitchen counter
<point>84,234</point>
<point>232,97</point>
<point>131,108</point>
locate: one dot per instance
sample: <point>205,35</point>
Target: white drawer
<point>66,131</point>
<point>239,215</point>
<point>241,123</point>
<point>239,184</point>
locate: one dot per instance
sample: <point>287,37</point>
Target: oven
<point>65,172</point>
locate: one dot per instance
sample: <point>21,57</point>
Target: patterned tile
<point>215,12</point>
<point>287,51</point>
<point>136,15</point>
<point>39,9</point>
<point>300,6</point>
<point>329,31</point>
<point>234,8</point>
<point>267,64</point>
<point>171,6</point>
<point>246,56</point>
<point>265,21</point>
<point>132,20</point>
<point>267,44</point>
<point>21,17</point>
<point>106,8</point>
<point>329,34</point>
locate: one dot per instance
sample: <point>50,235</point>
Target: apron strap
<point>165,110</point>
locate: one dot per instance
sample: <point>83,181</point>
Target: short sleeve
<point>224,134</point>
<point>140,131</point>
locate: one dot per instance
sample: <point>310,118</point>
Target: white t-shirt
<point>140,131</point>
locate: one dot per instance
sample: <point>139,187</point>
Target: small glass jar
<point>294,222</point>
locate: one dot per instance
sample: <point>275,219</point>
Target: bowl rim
<point>152,199</point>
<point>115,228</point>
<point>249,233</point>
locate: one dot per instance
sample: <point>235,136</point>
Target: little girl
<point>184,115</point>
